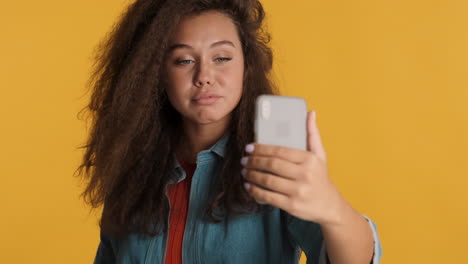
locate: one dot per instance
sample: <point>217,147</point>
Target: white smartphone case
<point>281,121</point>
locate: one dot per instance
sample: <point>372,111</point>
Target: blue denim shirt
<point>273,237</point>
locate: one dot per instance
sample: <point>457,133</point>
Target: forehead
<point>206,27</point>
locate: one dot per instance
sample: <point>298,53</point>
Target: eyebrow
<point>186,46</point>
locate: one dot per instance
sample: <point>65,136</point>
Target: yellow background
<point>388,79</point>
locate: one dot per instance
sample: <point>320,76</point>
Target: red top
<point>179,195</point>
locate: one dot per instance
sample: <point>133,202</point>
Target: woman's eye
<point>223,59</point>
<point>183,62</point>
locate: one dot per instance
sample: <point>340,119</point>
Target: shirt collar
<point>219,148</point>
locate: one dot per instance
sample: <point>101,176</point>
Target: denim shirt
<point>272,237</point>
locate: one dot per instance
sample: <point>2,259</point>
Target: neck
<point>198,137</point>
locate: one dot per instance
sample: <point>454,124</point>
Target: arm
<point>349,238</point>
<point>310,238</point>
<point>341,250</point>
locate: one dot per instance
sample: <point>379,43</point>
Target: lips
<point>205,96</point>
<point>206,99</point>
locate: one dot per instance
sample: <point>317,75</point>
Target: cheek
<point>179,79</point>
<point>238,81</point>
<point>178,83</point>
<point>234,78</point>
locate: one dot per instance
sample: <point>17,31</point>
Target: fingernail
<point>244,160</point>
<point>249,148</point>
<point>244,171</point>
<point>314,115</point>
<point>247,186</point>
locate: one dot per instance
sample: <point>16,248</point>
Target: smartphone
<point>281,121</point>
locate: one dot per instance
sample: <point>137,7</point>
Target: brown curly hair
<point>127,159</point>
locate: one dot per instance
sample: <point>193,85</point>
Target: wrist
<point>340,212</point>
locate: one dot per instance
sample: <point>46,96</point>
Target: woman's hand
<point>297,180</point>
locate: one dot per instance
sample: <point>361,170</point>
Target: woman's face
<point>205,68</point>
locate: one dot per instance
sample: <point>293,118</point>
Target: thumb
<point>314,141</point>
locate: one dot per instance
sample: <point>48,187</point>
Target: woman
<point>171,158</point>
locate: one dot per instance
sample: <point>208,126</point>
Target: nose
<point>204,75</point>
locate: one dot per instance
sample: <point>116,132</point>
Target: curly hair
<point>128,154</point>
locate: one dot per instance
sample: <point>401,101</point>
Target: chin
<point>211,118</point>
<point>208,120</point>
